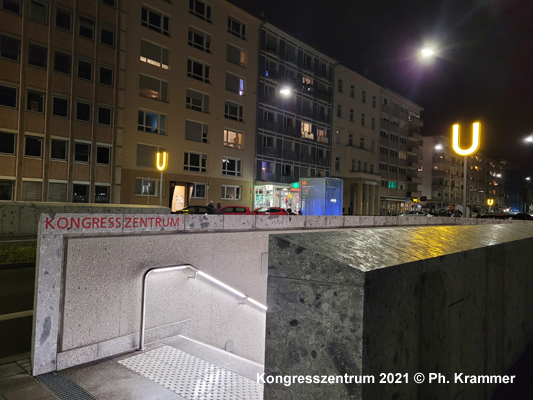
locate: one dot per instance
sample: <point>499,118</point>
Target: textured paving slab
<point>192,377</point>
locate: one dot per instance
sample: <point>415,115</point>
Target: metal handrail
<point>245,298</point>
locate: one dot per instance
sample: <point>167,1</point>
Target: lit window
<point>235,139</point>
<point>152,88</point>
<point>235,55</point>
<point>230,192</point>
<point>234,83</point>
<point>154,55</point>
<point>152,122</point>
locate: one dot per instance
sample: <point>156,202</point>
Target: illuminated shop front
<point>278,196</point>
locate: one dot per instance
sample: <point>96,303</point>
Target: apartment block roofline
<point>403,97</point>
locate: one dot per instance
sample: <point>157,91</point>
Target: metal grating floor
<point>192,377</point>
<point>63,388</point>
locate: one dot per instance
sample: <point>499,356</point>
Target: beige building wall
<point>355,140</point>
<point>51,59</point>
<point>189,101</point>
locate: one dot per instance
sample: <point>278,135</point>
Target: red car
<point>234,210</point>
<point>270,211</point>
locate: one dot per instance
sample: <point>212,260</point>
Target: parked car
<point>270,211</point>
<point>518,216</point>
<point>235,210</point>
<point>197,210</point>
<point>414,213</point>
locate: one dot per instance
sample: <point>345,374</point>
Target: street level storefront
<point>277,196</point>
<point>391,206</point>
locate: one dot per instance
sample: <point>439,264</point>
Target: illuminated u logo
<point>490,202</point>
<point>475,140</point>
<point>162,167</point>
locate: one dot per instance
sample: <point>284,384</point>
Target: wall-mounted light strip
<point>197,272</point>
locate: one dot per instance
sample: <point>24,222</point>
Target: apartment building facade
<point>355,143</point>
<point>400,154</point>
<point>58,97</point>
<point>293,118</point>
<point>189,79</point>
<point>443,177</point>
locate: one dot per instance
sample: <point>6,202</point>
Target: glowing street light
<point>529,139</point>
<point>465,152</point>
<point>439,147</point>
<point>285,91</point>
<point>427,53</point>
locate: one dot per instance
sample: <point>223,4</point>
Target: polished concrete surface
<point>167,368</point>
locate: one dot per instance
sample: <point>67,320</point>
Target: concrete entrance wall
<point>90,267</point>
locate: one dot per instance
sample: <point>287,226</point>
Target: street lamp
<point>427,53</point>
<point>529,139</point>
<point>465,152</point>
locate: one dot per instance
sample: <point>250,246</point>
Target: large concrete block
<point>449,299</point>
<point>233,222</point>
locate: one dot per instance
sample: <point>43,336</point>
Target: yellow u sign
<point>490,202</point>
<point>475,140</point>
<point>162,167</point>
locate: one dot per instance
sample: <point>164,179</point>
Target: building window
<point>105,115</point>
<point>80,193</point>
<point>33,147</point>
<point>337,163</point>
<point>199,40</point>
<point>155,21</point>
<point>152,88</point>
<point>196,131</point>
<point>233,139</point>
<point>8,96</point>
<point>197,101</point>
<point>198,191</point>
<point>339,86</point>
<point>152,122</point>
<point>402,155</point>
<point>352,92</point>
<point>362,143</point>
<point>306,131</point>
<point>233,111</point>
<point>37,55</point>
<point>145,187</point>
<point>363,96</point>
<point>383,150</point>
<point>32,190</point>
<point>110,3</point>
<point>101,193</point>
<point>350,139</point>
<point>86,28</point>
<point>34,101</point>
<point>58,150</point>
<point>103,155</point>
<point>60,107</point>
<point>198,70</point>
<point>107,36</point>
<point>57,192</point>
<point>392,185</point>
<point>154,55</point>
<point>64,20</point>
<point>85,70</point>
<point>231,192</point>
<point>83,111</point>
<point>269,116</point>
<point>82,152</point>
<point>269,142</point>
<point>146,156</point>
<point>106,76</point>
<point>9,48</point>
<point>374,101</point>
<point>234,84</point>
<point>7,143</point>
<point>363,119</point>
<point>62,63</point>
<point>39,11</point>
<point>237,28</point>
<point>11,6</point>
<point>339,110</point>
<point>231,166</point>
<point>352,114</point>
<point>373,123</point>
<point>195,162</point>
<point>200,9</point>
<point>235,55</point>
<point>393,153</point>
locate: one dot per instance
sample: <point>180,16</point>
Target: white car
<point>415,214</point>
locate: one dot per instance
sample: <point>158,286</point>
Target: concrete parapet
<point>405,300</point>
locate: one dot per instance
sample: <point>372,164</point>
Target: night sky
<point>484,70</point>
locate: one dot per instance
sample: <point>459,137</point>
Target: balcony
<point>266,176</point>
<point>414,179</point>
<point>323,162</point>
<point>413,165</point>
<point>271,152</point>
<point>414,135</point>
<point>322,139</point>
<point>308,135</point>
